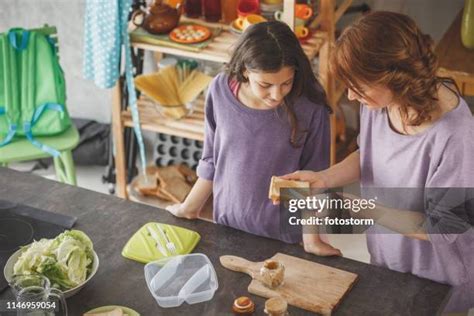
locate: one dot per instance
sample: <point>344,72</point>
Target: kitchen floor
<point>90,178</point>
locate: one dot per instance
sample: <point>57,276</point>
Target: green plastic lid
<point>149,244</point>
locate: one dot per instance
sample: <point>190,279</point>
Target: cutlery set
<point>170,246</point>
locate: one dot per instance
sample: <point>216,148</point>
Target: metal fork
<point>169,244</point>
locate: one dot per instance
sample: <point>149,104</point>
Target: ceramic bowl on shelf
<point>235,29</point>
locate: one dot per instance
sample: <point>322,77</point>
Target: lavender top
<point>245,147</point>
<point>440,157</point>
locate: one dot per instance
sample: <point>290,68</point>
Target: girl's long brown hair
<point>269,46</point>
<point>389,49</point>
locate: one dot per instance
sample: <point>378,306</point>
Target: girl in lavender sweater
<point>266,115</point>
<point>417,133</point>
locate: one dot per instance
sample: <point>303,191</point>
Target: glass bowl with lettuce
<point>68,261</point>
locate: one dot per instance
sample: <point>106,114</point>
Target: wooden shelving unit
<point>192,126</point>
<point>221,47</point>
<point>320,43</point>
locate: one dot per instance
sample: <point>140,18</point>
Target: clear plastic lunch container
<point>186,278</point>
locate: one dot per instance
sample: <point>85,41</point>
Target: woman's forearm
<point>405,222</point>
<point>345,172</point>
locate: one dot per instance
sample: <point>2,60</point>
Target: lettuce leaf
<point>65,260</point>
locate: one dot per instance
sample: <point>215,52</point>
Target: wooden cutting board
<point>307,285</point>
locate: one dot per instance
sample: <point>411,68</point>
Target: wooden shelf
<point>220,49</point>
<point>191,126</point>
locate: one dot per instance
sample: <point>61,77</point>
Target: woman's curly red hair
<point>389,49</point>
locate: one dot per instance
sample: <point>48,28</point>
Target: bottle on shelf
<point>229,10</point>
<point>211,10</point>
<point>192,8</point>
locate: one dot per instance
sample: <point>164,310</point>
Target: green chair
<point>20,149</point>
<point>23,150</point>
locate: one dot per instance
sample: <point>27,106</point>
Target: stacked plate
<point>268,9</point>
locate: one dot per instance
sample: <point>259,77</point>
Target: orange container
<point>229,10</point>
<point>173,3</point>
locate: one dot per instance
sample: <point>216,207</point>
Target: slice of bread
<point>147,191</point>
<point>278,183</point>
<point>159,194</point>
<point>176,189</point>
<point>164,174</point>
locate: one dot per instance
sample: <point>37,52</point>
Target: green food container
<point>143,246</point>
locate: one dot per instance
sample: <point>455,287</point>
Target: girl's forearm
<point>198,196</point>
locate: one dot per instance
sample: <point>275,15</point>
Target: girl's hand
<point>316,179</point>
<point>312,243</point>
<point>180,210</point>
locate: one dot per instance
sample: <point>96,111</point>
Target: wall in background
<point>433,16</point>
<point>85,100</point>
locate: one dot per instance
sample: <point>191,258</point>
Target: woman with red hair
<point>416,132</point>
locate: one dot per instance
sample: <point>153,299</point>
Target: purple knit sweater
<point>440,157</point>
<point>245,147</point>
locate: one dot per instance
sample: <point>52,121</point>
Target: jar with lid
<point>229,10</point>
<point>243,306</point>
<point>276,306</point>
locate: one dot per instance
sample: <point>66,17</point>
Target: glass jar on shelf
<point>211,10</point>
<point>192,8</point>
<point>229,10</point>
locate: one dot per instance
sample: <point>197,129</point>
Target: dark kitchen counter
<point>111,221</point>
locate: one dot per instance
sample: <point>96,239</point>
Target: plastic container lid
<point>143,248</point>
<point>187,278</point>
